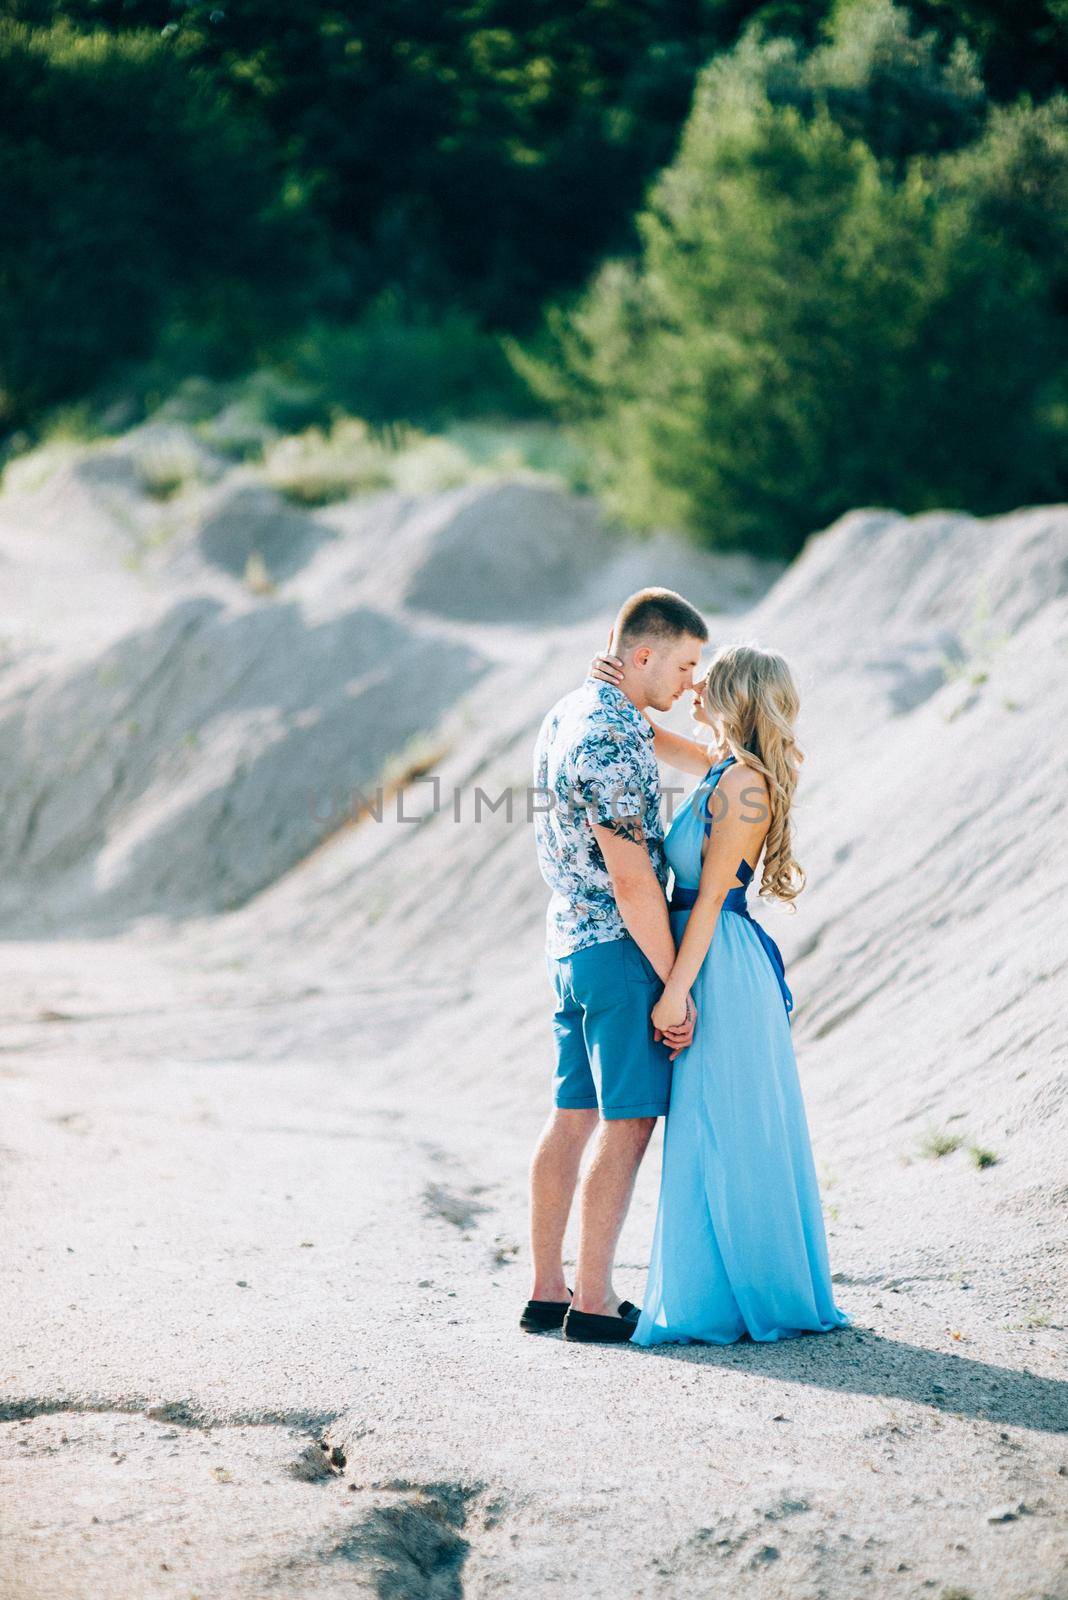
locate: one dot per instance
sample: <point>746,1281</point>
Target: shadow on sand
<point>860,1361</point>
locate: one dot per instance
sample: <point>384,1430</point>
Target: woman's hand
<point>608,668</point>
<point>670,1012</point>
<point>679,1039</point>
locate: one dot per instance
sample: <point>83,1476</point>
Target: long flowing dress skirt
<point>739,1245</point>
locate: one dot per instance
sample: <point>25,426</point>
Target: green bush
<point>823,316</point>
<point>131,197</point>
<point>470,153</point>
<point>403,364</point>
<point>480,155</point>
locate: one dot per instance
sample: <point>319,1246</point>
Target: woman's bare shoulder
<point>746,787</point>
<point>738,776</point>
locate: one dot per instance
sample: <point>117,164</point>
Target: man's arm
<point>606,774</point>
<point>637,890</point>
<point>642,906</point>
<point>607,771</point>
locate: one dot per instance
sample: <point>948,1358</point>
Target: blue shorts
<point>606,1056</point>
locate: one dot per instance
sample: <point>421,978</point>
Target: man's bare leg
<point>554,1171</point>
<point>604,1199</point>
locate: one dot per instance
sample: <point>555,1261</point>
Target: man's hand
<point>681,1037</point>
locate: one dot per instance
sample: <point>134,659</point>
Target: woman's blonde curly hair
<point>751,700</point>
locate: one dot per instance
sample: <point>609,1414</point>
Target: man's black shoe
<point>542,1316</point>
<point>584,1328</point>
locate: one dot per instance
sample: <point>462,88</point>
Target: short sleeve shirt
<point>593,763</point>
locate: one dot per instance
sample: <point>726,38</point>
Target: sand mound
<point>506,554</point>
<point>881,610</point>
<point>515,554</point>
<point>197,760</point>
<point>252,521</point>
<point>175,738</point>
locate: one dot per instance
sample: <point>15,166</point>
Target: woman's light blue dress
<point>739,1246</point>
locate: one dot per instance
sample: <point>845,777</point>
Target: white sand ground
<point>270,1074</point>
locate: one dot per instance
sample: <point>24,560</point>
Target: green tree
<point>129,194</point>
<point>1021,45</point>
<point>476,154</point>
<point>821,317</point>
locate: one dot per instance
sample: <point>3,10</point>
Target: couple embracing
<point>674,1007</point>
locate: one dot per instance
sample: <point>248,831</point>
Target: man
<point>609,950</point>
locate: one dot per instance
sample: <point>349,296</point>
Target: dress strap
<point>719,768</point>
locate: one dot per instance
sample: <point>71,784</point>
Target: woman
<point>739,1247</point>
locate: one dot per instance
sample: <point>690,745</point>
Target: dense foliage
<point>794,253</point>
<point>852,290</point>
<point>130,196</point>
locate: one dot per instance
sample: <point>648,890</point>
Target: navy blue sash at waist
<point>682,899</point>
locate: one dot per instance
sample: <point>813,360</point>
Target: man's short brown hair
<point>657,616</point>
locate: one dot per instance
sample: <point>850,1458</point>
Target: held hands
<point>677,1033</point>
